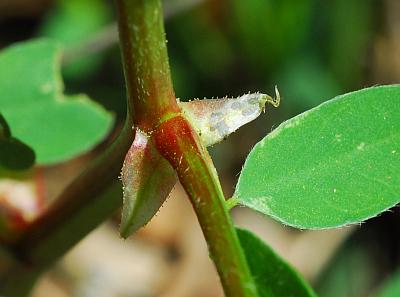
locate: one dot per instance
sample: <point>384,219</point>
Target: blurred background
<point>312,50</point>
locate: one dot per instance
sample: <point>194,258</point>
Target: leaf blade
<point>336,164</point>
<point>275,278</point>
<point>57,127</point>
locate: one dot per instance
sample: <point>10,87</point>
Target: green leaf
<point>55,126</point>
<point>391,287</point>
<point>333,165</point>
<point>351,272</point>
<point>273,276</point>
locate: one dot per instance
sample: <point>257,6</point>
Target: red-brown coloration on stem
<point>180,145</point>
<point>170,145</point>
<point>152,103</point>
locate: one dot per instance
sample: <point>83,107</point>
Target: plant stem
<point>76,212</point>
<point>180,145</point>
<point>152,101</point>
<point>148,81</point>
<point>107,37</point>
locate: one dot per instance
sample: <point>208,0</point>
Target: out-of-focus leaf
<point>333,165</point>
<point>55,126</point>
<point>14,155</point>
<point>272,275</point>
<point>307,83</point>
<point>212,53</point>
<point>391,287</point>
<point>349,31</point>
<point>73,22</point>
<point>352,272</point>
<point>271,30</point>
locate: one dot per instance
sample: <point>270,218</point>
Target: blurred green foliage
<point>57,127</point>
<point>312,49</point>
<point>73,22</point>
<point>350,274</point>
<point>390,288</point>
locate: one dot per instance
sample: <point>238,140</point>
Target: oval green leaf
<point>336,164</point>
<point>75,23</point>
<point>272,275</point>
<point>57,127</point>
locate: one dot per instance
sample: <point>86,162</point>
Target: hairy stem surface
<point>180,145</point>
<point>153,103</point>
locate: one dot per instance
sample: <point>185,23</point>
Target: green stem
<point>152,101</point>
<point>150,93</point>
<point>181,146</point>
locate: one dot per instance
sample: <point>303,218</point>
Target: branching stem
<point>152,101</point>
<point>78,210</point>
